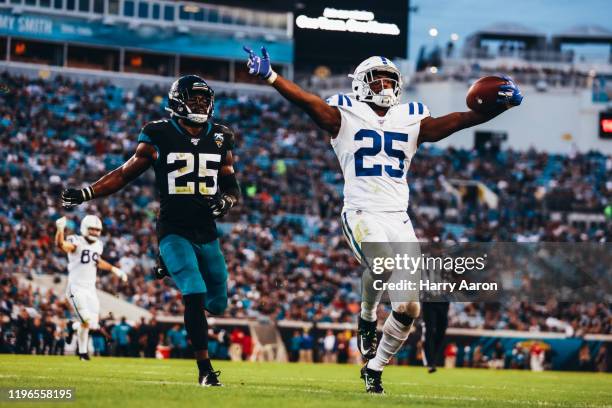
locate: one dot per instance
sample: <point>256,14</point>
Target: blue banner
<point>144,37</point>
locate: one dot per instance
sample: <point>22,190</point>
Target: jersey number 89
<point>203,172</point>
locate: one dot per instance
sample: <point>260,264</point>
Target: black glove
<point>160,271</point>
<point>220,205</point>
<point>71,197</point>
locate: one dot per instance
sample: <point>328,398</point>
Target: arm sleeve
<point>147,135</point>
<point>229,185</point>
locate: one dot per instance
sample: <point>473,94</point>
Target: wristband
<point>88,193</point>
<point>272,78</point>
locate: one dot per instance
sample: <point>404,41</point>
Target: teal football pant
<point>197,268</point>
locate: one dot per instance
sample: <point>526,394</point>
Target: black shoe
<point>84,357</point>
<point>432,370</point>
<point>160,271</point>
<point>367,339</point>
<point>210,379</point>
<point>372,380</point>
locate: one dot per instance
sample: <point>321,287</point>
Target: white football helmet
<point>363,77</point>
<point>90,221</point>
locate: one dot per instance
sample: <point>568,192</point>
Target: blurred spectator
<point>450,355</point>
<point>237,342</point>
<point>329,347</point>
<point>295,346</point>
<point>537,355</point>
<point>306,347</point>
<point>177,340</point>
<point>121,338</point>
<point>602,359</point>
<point>152,332</point>
<point>585,361</point>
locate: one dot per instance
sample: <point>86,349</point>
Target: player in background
<point>194,176</point>
<point>84,259</point>
<point>375,138</point>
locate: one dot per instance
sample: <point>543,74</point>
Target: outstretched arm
<point>105,266</point>
<point>435,129</point>
<point>325,116</point>
<point>114,181</point>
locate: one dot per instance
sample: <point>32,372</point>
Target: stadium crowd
<point>283,244</point>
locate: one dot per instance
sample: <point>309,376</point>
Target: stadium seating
<point>283,245</point>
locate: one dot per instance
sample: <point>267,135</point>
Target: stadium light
<point>433,31</point>
<point>433,70</point>
<point>454,37</point>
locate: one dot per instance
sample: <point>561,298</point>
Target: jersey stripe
<point>411,108</point>
<point>76,309</point>
<point>420,108</point>
<point>349,241</point>
<point>350,232</point>
<point>340,100</point>
<point>348,101</point>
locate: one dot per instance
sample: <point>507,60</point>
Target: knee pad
<point>410,309</point>
<point>216,305</point>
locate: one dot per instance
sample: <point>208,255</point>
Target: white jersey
<point>375,152</point>
<point>83,262</point>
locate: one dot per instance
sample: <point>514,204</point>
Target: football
<point>482,94</point>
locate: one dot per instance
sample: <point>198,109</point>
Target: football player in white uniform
<point>375,138</point>
<point>84,258</point>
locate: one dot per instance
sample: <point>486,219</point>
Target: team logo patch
<point>219,139</point>
<point>195,141</point>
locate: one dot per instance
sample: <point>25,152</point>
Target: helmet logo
<point>199,86</point>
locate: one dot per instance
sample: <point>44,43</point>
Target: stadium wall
<point>557,121</point>
<point>129,81</point>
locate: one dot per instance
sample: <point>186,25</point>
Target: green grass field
<point>114,382</point>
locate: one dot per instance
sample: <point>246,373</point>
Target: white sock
<point>76,326</point>
<point>83,339</point>
<point>394,335</point>
<point>368,311</point>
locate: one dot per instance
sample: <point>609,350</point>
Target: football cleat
<point>432,370</point>
<point>367,340</point>
<point>372,380</point>
<point>84,357</point>
<point>210,379</point>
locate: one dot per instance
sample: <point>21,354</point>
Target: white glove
<point>122,275</point>
<point>60,223</point>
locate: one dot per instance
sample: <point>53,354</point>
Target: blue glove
<point>259,66</point>
<point>509,94</point>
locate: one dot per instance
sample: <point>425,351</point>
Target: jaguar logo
<point>219,139</point>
